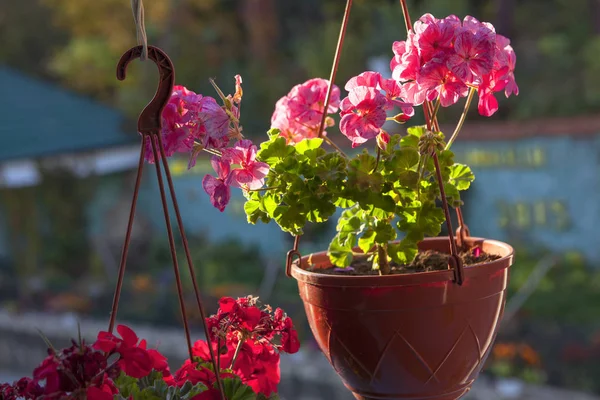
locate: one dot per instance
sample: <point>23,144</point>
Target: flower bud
<point>383,139</point>
<point>401,118</point>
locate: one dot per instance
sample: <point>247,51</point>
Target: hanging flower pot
<point>399,312</point>
<point>407,336</point>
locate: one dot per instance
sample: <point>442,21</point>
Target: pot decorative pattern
<point>413,336</point>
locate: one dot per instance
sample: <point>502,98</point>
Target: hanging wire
<point>137,6</point>
<point>336,63</point>
<point>150,126</point>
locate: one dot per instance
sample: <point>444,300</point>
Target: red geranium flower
<point>134,360</point>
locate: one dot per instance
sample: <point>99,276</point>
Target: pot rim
<point>416,278</point>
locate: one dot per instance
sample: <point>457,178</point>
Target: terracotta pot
<point>413,336</point>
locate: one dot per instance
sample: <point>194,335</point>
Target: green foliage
<point>382,196</point>
<point>153,387</point>
<point>302,176</point>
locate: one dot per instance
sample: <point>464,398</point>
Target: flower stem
<point>265,189</point>
<point>335,146</point>
<point>384,266</point>
<point>378,158</point>
<point>435,111</point>
<point>462,119</point>
<point>237,352</point>
<point>218,353</point>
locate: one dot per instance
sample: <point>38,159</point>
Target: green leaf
<point>319,210</point>
<point>409,141</point>
<point>340,254</point>
<point>417,131</point>
<point>409,179</point>
<point>367,240</point>
<point>344,203</point>
<point>308,144</point>
<point>289,219</point>
<point>254,212</point>
<point>236,390</point>
<point>406,158</point>
<point>273,132</point>
<point>275,151</point>
<point>251,206</point>
<point>385,232</point>
<point>350,225</point>
<point>403,252</point>
<point>273,396</point>
<point>461,176</point>
<point>452,195</point>
<point>270,203</point>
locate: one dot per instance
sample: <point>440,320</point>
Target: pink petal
<point>487,105</point>
<point>218,192</point>
<point>260,169</point>
<point>213,116</point>
<point>240,177</point>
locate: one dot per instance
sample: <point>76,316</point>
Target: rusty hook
<point>456,265</point>
<point>290,257</point>
<point>150,120</point>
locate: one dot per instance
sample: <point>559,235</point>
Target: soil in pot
<point>429,260</point>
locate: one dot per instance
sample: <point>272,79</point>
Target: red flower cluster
<point>241,333</point>
<point>134,359</point>
<point>75,372</point>
<point>244,337</point>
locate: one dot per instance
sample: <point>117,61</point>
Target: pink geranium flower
<point>251,173</point>
<point>473,55</point>
<point>444,57</point>
<point>298,115</point>
<point>363,114</point>
<point>364,110</point>
<point>217,188</point>
<point>306,101</point>
<point>215,122</point>
<point>290,128</point>
<point>438,80</point>
<point>434,36</point>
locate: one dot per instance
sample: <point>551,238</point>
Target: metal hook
<point>289,260</point>
<point>150,120</point>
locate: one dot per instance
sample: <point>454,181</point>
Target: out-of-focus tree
<point>28,40</point>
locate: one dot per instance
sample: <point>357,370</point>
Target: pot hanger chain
<point>150,127</point>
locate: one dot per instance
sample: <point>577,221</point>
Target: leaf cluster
<point>384,197</point>
<point>153,387</point>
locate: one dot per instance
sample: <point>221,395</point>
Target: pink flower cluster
<point>298,115</point>
<point>249,176</point>
<point>364,111</point>
<point>191,119</point>
<point>192,123</point>
<point>443,58</point>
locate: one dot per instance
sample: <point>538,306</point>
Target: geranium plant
<point>388,196</point>
<point>247,337</point>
